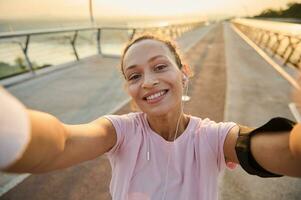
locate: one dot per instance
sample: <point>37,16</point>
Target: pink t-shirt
<point>195,160</point>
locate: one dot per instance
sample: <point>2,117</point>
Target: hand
<point>295,141</point>
<point>14,129</point>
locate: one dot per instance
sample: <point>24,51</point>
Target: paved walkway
<point>79,92</point>
<point>255,93</point>
<point>231,83</point>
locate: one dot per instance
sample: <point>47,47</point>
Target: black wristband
<point>243,145</point>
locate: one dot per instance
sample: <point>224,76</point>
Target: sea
<point>54,49</point>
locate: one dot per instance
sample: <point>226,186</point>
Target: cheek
<point>182,89</point>
<point>133,90</point>
<point>179,83</point>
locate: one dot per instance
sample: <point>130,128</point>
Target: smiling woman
<point>164,68</point>
<point>158,153</point>
<point>167,47</point>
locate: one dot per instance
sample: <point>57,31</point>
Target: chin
<point>157,111</point>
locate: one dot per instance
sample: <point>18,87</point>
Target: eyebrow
<point>149,60</point>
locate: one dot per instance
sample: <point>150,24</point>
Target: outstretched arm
<point>49,144</point>
<point>271,151</point>
<point>295,141</point>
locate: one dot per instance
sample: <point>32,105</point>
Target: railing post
<point>73,41</point>
<point>275,47</point>
<point>261,38</point>
<point>257,37</point>
<point>25,52</point>
<point>266,45</point>
<point>254,34</point>
<point>293,47</point>
<point>98,41</point>
<point>286,48</point>
<point>133,34</point>
<point>299,62</point>
<point>287,60</point>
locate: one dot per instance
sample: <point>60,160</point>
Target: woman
<point>159,153</point>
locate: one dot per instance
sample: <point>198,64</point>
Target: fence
<point>277,38</point>
<point>27,51</point>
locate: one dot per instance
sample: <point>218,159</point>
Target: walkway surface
<point>231,83</point>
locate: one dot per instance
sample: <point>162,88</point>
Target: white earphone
<point>185,98</point>
<point>185,82</point>
<point>185,79</point>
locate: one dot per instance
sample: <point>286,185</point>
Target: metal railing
<point>32,44</point>
<point>277,38</point>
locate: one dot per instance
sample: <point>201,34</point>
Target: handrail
<point>277,38</point>
<point>173,30</point>
<point>85,28</point>
<point>284,28</point>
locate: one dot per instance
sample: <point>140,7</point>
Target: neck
<point>169,126</point>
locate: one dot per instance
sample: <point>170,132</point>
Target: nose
<point>150,81</point>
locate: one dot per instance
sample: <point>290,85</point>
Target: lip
<point>156,100</point>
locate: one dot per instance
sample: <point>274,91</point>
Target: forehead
<point>142,51</point>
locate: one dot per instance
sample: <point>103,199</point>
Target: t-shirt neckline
<point>178,139</point>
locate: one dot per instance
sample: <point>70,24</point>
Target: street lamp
<point>91,12</point>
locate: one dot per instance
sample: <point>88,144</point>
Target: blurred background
<point>45,50</point>
<point>63,57</point>
<point>17,15</point>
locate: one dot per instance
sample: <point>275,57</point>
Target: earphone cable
<point>169,149</point>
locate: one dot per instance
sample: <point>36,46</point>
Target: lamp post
<point>91,12</point>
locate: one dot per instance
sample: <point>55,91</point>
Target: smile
<point>155,97</point>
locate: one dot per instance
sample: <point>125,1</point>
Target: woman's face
<point>153,78</point>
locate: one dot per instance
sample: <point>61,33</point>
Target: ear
<point>186,73</point>
<point>186,70</point>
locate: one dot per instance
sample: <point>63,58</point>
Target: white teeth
<point>153,96</point>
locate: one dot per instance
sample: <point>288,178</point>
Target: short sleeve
<point>125,127</point>
<point>223,130</point>
<point>216,135</point>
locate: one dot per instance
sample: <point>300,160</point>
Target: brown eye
<point>160,67</point>
<point>134,77</point>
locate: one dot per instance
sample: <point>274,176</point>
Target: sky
<point>131,9</point>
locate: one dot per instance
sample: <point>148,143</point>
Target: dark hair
<point>171,46</point>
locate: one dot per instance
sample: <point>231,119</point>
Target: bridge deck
<point>231,83</point>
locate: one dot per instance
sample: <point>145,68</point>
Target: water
<point>54,49</point>
<point>21,25</point>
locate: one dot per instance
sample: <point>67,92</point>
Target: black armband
<point>243,145</point>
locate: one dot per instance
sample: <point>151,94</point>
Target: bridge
<point>237,77</point>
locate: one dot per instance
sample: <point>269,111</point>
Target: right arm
<point>54,145</point>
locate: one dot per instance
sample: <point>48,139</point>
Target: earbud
<point>185,80</point>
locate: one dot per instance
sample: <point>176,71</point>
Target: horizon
<point>134,10</point>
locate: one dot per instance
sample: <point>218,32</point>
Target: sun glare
<point>131,8</point>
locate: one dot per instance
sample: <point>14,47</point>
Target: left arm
<point>295,141</point>
<point>271,151</point>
